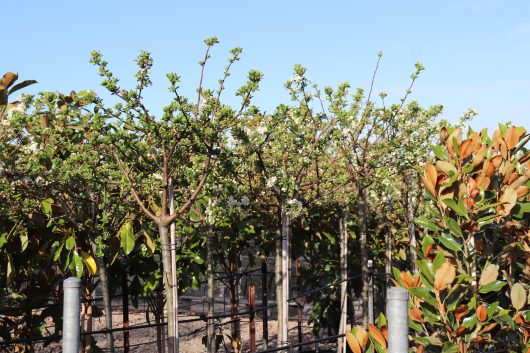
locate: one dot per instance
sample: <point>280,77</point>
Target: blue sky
<point>476,53</point>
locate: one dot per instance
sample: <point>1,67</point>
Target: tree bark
<point>174,279</point>
<point>285,272</point>
<point>410,224</point>
<point>361,219</point>
<point>209,261</point>
<point>172,341</point>
<point>279,288</point>
<point>343,234</point>
<point>107,304</point>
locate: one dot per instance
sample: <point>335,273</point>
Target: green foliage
<point>474,265</point>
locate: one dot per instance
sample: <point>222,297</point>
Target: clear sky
<point>476,53</point>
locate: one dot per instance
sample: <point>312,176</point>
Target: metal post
<point>397,315</point>
<point>264,304</point>
<point>71,323</point>
<point>252,324</point>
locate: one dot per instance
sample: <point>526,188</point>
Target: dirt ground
<point>143,340</point>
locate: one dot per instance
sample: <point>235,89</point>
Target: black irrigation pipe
<point>301,344</point>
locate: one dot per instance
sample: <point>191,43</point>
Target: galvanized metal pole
<point>397,315</point>
<point>71,307</point>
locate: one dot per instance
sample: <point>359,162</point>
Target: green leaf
<point>426,268</point>
<point>449,242</point>
<point>47,206</point>
<point>197,259</point>
<point>78,263</point>
<point>423,293</point>
<point>427,240</point>
<point>127,238</point>
<point>454,227</point>
<point>457,207</point>
<point>422,221</point>
<point>494,286</point>
<point>70,242</point>
<point>194,216</point>
<point>58,252</point>
<point>439,151</point>
<point>3,240</point>
<point>438,261</point>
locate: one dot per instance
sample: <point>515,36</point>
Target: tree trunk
<point>285,272</point>
<point>107,305</point>
<point>168,287</point>
<point>279,289</point>
<point>174,279</point>
<point>388,254</point>
<point>410,224</point>
<point>361,219</point>
<point>343,234</point>
<point>210,269</point>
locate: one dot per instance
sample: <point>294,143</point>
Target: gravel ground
<point>192,333</point>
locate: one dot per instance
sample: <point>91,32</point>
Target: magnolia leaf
<point>361,335</point>
<point>518,296</point>
<point>494,286</point>
<point>424,222</point>
<point>439,151</point>
<point>444,276</point>
<point>21,85</point>
<point>457,207</point>
<point>512,137</point>
<point>508,199</point>
<point>416,314</point>
<point>78,264</point>
<point>377,335</point>
<point>90,263</point>
<point>481,313</point>
<point>490,274</point>
<point>127,238</point>
<point>353,343</point>
<point>449,242</point>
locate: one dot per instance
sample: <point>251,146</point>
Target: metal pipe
<point>71,320</point>
<point>397,315</point>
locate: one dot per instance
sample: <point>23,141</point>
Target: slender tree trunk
<point>234,312</point>
<point>210,269</point>
<point>107,305</point>
<point>388,254</point>
<point>410,224</point>
<point>279,288</point>
<point>174,279</point>
<point>88,338</point>
<point>285,272</point>
<point>361,220</point>
<point>343,278</point>
<point>168,288</point>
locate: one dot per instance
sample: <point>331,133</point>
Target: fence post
<point>397,315</point>
<point>71,324</point>
<point>252,324</point>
